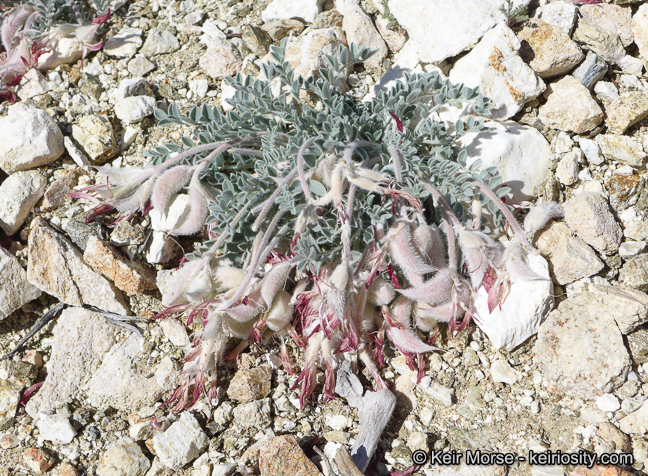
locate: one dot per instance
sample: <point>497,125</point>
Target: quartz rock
<point>521,154</point>
<point>627,306</point>
<point>159,42</point>
<point>548,49</point>
<point>55,428</point>
<point>591,150</point>
<point>221,59</point>
<point>559,14</point>
<point>495,67</point>
<point>257,414</point>
<point>502,372</point>
<point>9,397</point>
<point>124,44</point>
<point>305,10</point>
<point>640,29</point>
<point>631,65</point>
<point>580,349</point>
<point>622,148</point>
<point>588,215</point>
<point>181,443</point>
<point>133,109</point>
<point>631,248</point>
<point>29,138</point>
<point>395,40</point>
<point>307,52</point>
<point>18,194</point>
<point>567,169</point>
<point>570,107</point>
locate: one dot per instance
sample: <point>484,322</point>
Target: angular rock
<point>590,71</point>
<point>221,59</point>
<point>279,29</point>
<point>56,194</point>
<point>570,258</point>
<point>631,65</point>
<point>181,443</point>
<point>613,18</point>
<point>494,66</point>
<point>631,248</point>
<point>580,349</point>
<point>56,267</point>
<point>81,339</point>
<point>521,314</point>
<point>624,191</point>
<point>635,272</point>
<point>567,169</point>
<point>123,458</point>
<point>282,455</point>
<point>118,383</point>
<point>38,460</point>
<point>627,306</point>
<point>548,49</point>
<point>175,331</point>
<point>250,385</point>
<point>32,84</point>
<point>502,372</point>
<point>622,148</point>
<point>15,290</point>
<point>305,10</point>
<point>29,138</point>
<point>133,109</point>
<point>139,66</point>
<point>9,397</point>
<point>256,39</point>
<point>395,40</point>
<point>559,14</point>
<point>359,29</point>
<point>128,276</point>
<point>124,44</point>
<point>521,154</point>
<point>640,29</point>
<point>256,414</point>
<point>570,107</point>
<point>18,194</point>
<point>439,29</point>
<point>308,51</point>
<point>68,50</point>
<point>626,111</point>
<point>591,150</point>
<point>603,42</point>
<point>588,215</point>
<point>55,428</point>
<point>160,42</point>
<point>95,134</point>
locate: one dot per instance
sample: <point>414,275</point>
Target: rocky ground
<point>569,125</point>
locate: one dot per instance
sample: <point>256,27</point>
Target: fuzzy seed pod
<point>380,293</point>
<point>540,214</point>
<point>168,184</point>
<point>228,277</point>
<point>190,283</point>
<point>402,251</point>
<point>436,290</point>
<point>337,296</point>
<point>274,281</point>
<point>408,341</point>
<point>240,330</point>
<point>197,215</point>
<point>280,313</point>
<point>401,310</point>
<point>430,245</point>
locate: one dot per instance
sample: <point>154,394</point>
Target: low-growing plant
<point>30,30</point>
<point>513,14</point>
<point>332,222</point>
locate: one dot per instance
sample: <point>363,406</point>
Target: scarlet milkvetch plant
<point>333,222</point>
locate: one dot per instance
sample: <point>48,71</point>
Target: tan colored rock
<point>18,194</point>
<point>38,460</point>
<point>56,194</point>
<point>66,469</point>
<point>252,384</point>
<point>570,107</point>
<point>634,272</point>
<point>123,458</point>
<point>15,290</point>
<point>627,306</point>
<point>359,29</point>
<point>96,136</point>
<point>640,29</point>
<point>588,215</point>
<point>624,191</point>
<point>56,267</point>
<point>610,433</point>
<point>636,423</point>
<point>610,17</point>
<point>128,276</point>
<point>621,148</point>
<point>548,49</point>
<point>282,455</point>
<point>308,51</point>
<point>626,111</point>
<point>395,40</point>
<point>604,43</point>
<point>570,258</point>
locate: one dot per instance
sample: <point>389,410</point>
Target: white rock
<point>307,10</point>
<point>588,215</point>
<point>613,18</point>
<point>161,249</point>
<point>608,403</point>
<point>636,422</point>
<point>134,109</point>
<point>15,290</point>
<point>521,154</point>
<point>640,29</point>
<point>439,29</point>
<point>32,84</point>
<point>440,393</point>
<point>502,76</point>
<point>68,50</point>
<point>604,43</point>
<point>181,443</point>
<point>631,65</point>
<point>547,470</point>
<point>123,458</point>
<point>559,14</point>
<point>55,428</point>
<point>10,389</point>
<point>631,248</point>
<point>175,331</point>
<point>77,155</point>
<point>308,52</point>
<point>567,169</point>
<point>521,314</point>
<point>562,143</point>
<point>18,194</point>
<point>223,469</point>
<point>502,372</point>
<point>118,383</point>
<point>171,219</point>
<point>622,148</point>
<point>359,29</point>
<point>591,150</point>
<point>141,431</point>
<point>606,91</point>
<point>131,87</point>
<point>338,422</point>
<point>29,138</point>
<point>166,374</point>
<point>124,44</point>
<point>199,87</point>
